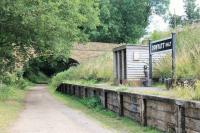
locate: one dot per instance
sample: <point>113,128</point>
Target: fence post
<point>181,118</point>
<point>79,91</point>
<point>143,111</point>
<point>62,88</point>
<point>74,90</point>
<point>65,86</point>
<point>105,99</point>
<point>120,103</point>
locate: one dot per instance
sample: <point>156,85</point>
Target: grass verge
<point>10,108</point>
<point>107,118</point>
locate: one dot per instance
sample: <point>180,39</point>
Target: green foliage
<point>10,91</point>
<point>121,21</point>
<point>125,21</point>
<point>192,10</point>
<point>37,77</point>
<point>189,93</point>
<point>176,20</point>
<point>156,35</point>
<point>5,91</point>
<point>188,54</point>
<point>159,7</point>
<point>40,69</point>
<point>44,27</point>
<point>96,70</point>
<point>9,83</point>
<point>11,105</point>
<point>92,102</point>
<point>197,91</point>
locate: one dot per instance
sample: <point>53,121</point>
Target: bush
<point>98,70</point>
<point>93,103</point>
<point>5,92</point>
<point>37,77</point>
<point>22,84</point>
<point>8,78</point>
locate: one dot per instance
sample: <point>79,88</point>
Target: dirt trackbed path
<point>44,114</point>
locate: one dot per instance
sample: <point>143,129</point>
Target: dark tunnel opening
<point>45,67</point>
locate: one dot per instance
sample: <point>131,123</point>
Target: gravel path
<point>44,114</point>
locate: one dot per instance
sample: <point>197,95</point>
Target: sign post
<point>163,45</point>
<point>173,58</point>
<point>150,64</point>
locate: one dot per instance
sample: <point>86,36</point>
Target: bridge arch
<point>48,65</point>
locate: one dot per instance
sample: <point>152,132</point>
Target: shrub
<point>93,103</point>
<point>37,77</point>
<point>5,92</point>
<point>93,71</point>
<point>22,84</point>
<point>8,78</point>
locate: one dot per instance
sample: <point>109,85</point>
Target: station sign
<point>162,45</point>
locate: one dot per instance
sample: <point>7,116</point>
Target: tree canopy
<point>192,13</point>
<point>192,10</point>
<point>124,21</point>
<point>50,27</point>
<point>43,26</point>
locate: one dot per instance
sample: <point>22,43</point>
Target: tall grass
<point>97,70</point>
<point>188,93</point>
<point>188,54</point>
<point>10,84</point>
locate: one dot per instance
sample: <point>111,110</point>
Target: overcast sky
<point>159,24</point>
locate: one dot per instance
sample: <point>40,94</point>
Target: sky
<point>157,23</point>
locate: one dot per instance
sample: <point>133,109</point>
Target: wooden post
<point>84,95</point>
<point>173,58</point>
<point>150,63</point>
<point>114,64</point>
<point>120,103</point>
<point>65,88</point>
<point>143,111</point>
<point>68,87</point>
<point>118,67</point>
<point>74,90</point>
<point>86,92</point>
<point>79,91</point>
<point>62,88</point>
<point>122,64</point>
<point>105,99</point>
<point>181,119</point>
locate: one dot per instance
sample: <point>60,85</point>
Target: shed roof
<point>130,46</point>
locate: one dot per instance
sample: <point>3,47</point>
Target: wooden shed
<point>129,62</point>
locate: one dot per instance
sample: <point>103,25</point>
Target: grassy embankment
<point>92,108</point>
<point>11,102</point>
<point>188,62</point>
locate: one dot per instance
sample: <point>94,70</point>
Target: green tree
<point>44,26</point>
<point>159,7</point>
<point>192,10</point>
<point>121,21</point>
<point>124,21</point>
<point>176,20</point>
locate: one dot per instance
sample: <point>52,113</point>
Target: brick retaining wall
<point>165,114</point>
